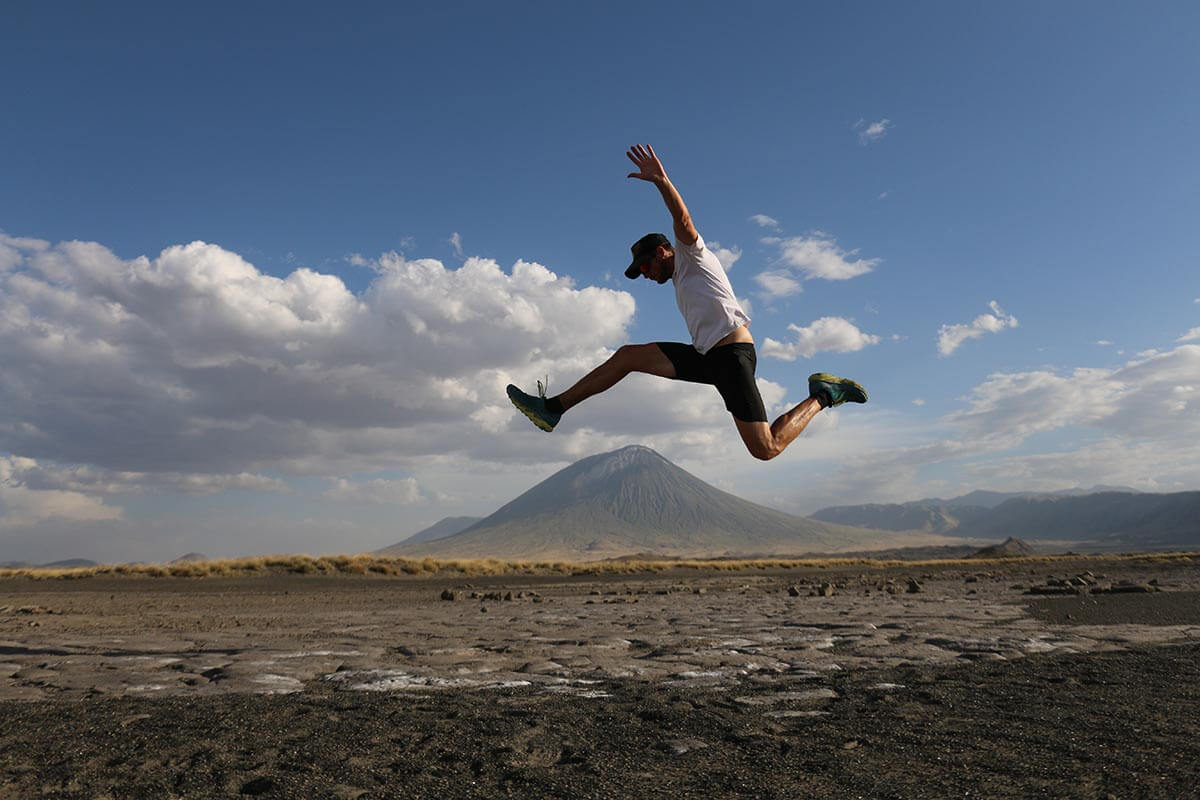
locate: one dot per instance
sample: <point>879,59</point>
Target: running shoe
<point>832,391</point>
<point>534,407</point>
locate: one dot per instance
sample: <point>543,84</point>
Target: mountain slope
<point>1116,518</point>
<point>438,530</point>
<point>955,516</point>
<point>634,500</point>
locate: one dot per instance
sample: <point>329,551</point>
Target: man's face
<point>661,265</point>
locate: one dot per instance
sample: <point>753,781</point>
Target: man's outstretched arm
<point>651,169</point>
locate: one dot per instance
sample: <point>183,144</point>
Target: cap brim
<point>634,270</point>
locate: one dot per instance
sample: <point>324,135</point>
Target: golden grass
<point>387,566</point>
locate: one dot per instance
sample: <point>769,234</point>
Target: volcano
<point>630,501</point>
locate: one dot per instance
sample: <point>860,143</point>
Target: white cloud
<point>951,337</point>
<point>747,306</point>
<point>778,283</point>
<point>882,196</point>
<point>83,478</point>
<point>818,256</point>
<point>728,256</point>
<point>869,132</point>
<point>827,334</point>
<point>1142,419</point>
<point>377,491</point>
<point>1103,342</point>
<point>1191,336</point>
<point>918,402</point>
<point>763,221</point>
<point>195,363</point>
<point>456,243</point>
<point>21,504</point>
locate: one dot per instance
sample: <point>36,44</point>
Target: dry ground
<point>684,683</point>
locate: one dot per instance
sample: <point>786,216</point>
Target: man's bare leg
<point>648,358</point>
<point>767,441</point>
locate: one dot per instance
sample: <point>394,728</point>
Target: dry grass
<point>385,566</point>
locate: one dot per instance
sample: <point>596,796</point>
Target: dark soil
<point>1119,724</point>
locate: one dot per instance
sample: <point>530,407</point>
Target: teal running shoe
<point>832,391</point>
<point>534,407</point>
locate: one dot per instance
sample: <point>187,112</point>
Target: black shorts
<point>729,367</point>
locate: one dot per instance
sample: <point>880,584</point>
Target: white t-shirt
<point>704,295</point>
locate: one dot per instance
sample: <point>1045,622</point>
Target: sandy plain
<point>675,684</point>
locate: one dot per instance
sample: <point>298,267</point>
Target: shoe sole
<point>533,417</point>
<point>825,377</point>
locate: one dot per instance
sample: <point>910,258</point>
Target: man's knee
<point>763,451</point>
<point>638,358</point>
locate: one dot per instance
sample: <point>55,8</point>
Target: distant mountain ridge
<point>1107,518</point>
<point>936,515</point>
<point>629,501</point>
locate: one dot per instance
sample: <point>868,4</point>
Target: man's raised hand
<point>649,167</point>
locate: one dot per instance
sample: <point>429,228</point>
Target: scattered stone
<point>450,594</point>
<point>850,745</point>
<point>1127,588</point>
<point>785,697</point>
<point>680,746</point>
<point>914,586</point>
<point>34,610</point>
<point>793,591</point>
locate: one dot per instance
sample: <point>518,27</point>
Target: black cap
<point>643,250</point>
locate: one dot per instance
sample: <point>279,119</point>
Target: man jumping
<point>722,349</point>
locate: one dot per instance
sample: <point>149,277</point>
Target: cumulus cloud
<point>778,283</point>
<point>763,221</point>
<point>1191,336</point>
<point>827,334</point>
<point>818,256</point>
<point>1142,419</point>
<point>196,363</point>
<point>869,132</point>
<point>951,337</point>
<point>21,504</point>
<point>728,256</point>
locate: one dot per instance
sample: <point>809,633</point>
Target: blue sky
<point>1013,184</point>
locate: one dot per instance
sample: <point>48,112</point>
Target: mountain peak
<point>603,465</point>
